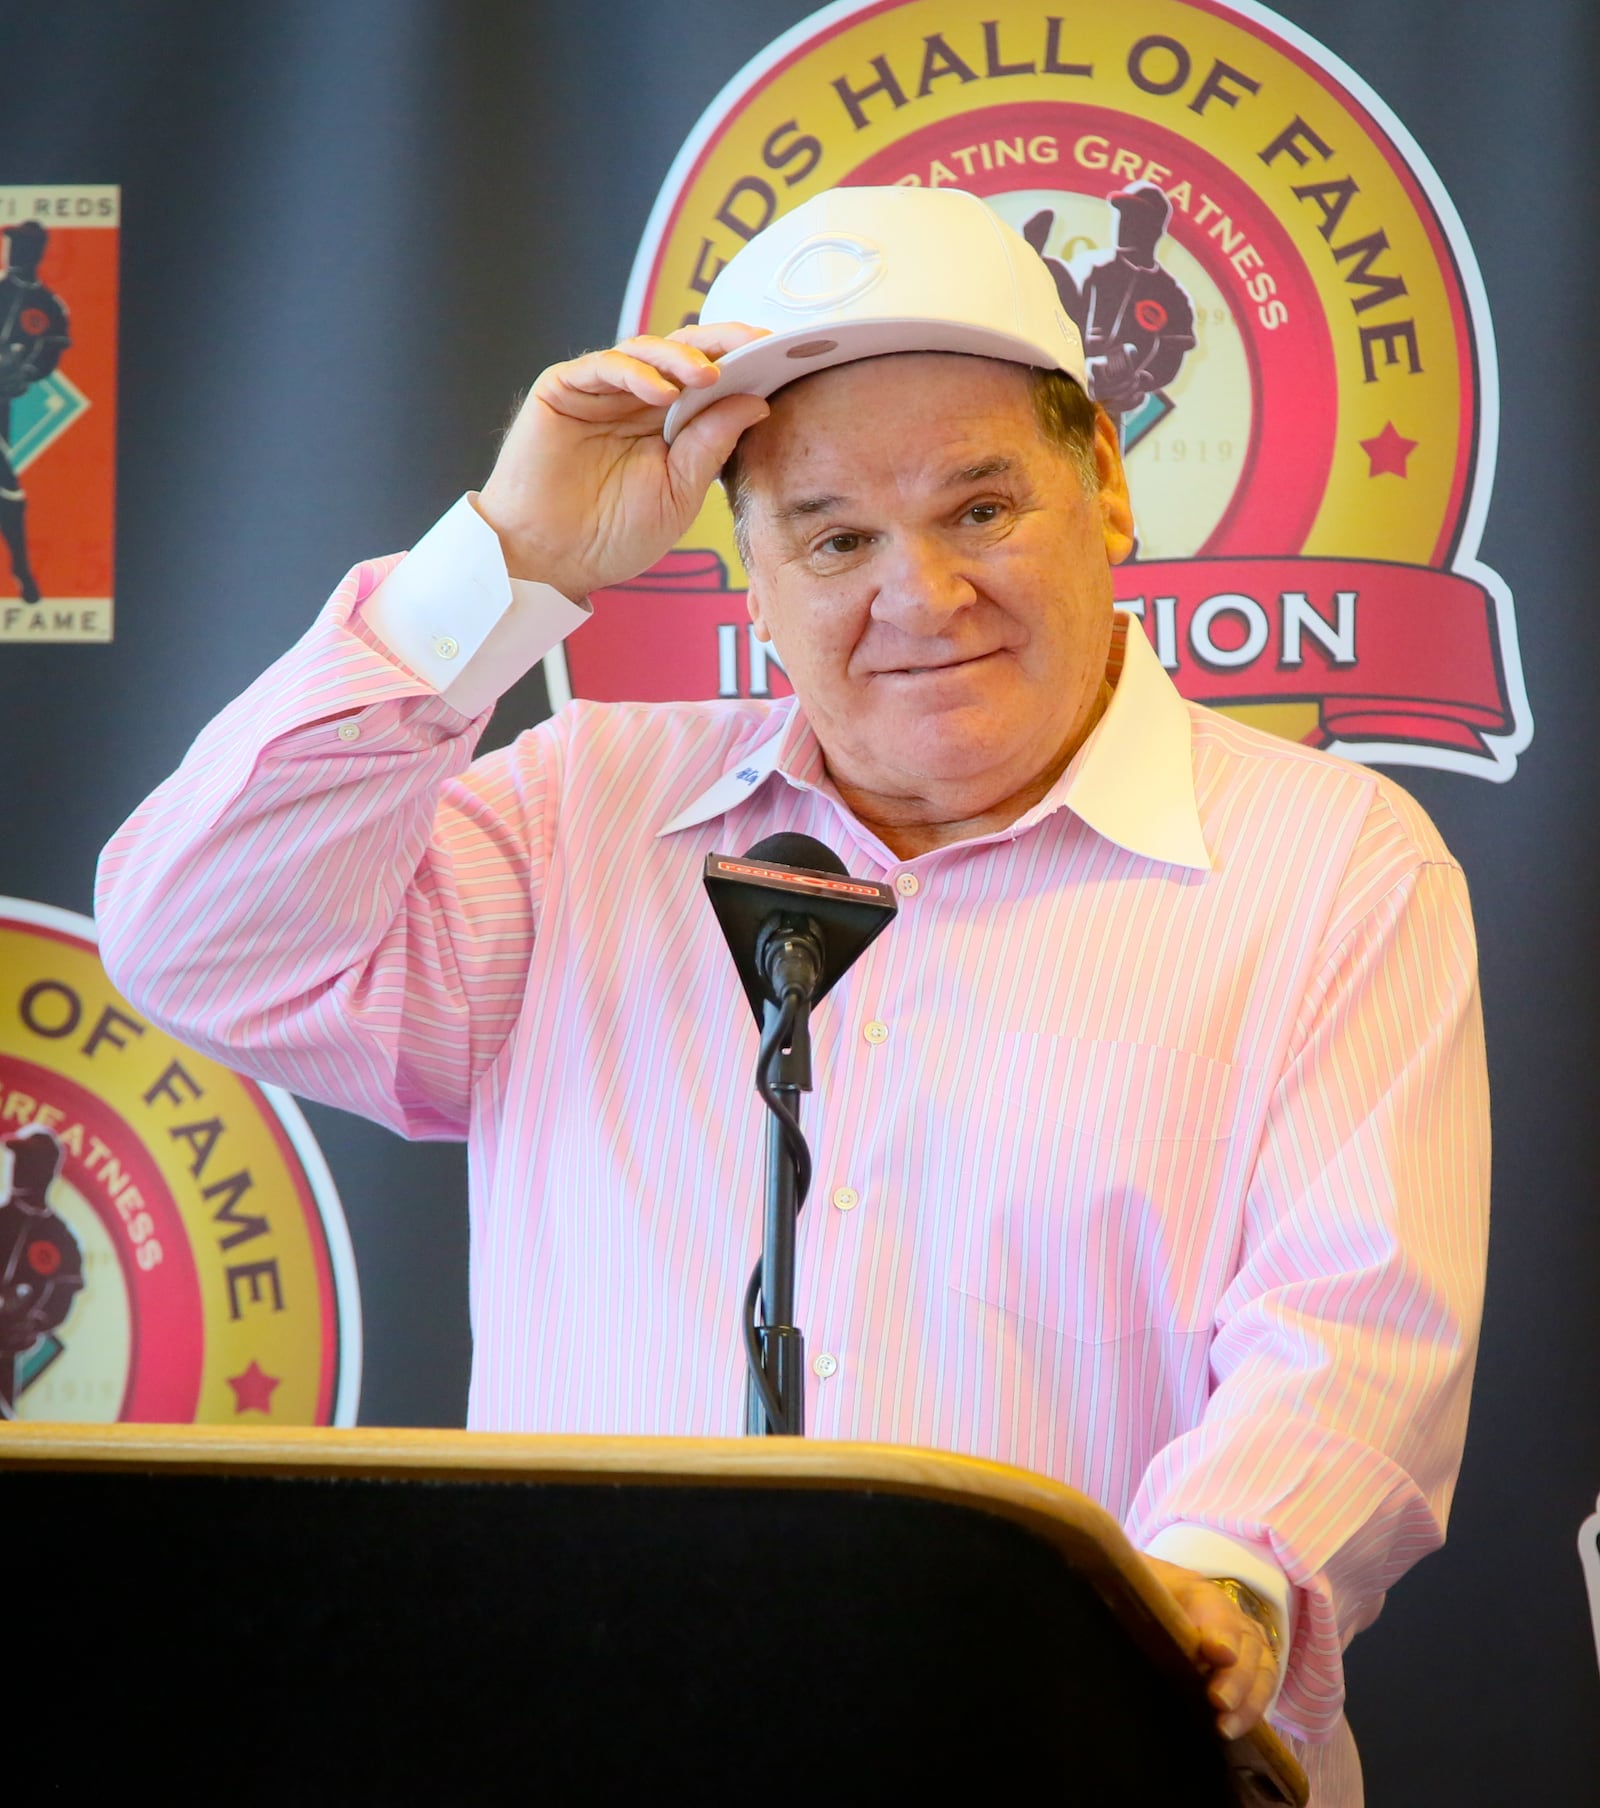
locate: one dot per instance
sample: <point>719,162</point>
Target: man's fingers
<point>1241,1670</point>
<point>1220,1625</point>
<point>1255,1703</point>
<point>686,363</point>
<point>1217,1648</point>
<point>608,373</point>
<point>717,338</point>
<point>1236,1719</point>
<point>651,369</point>
<point>1241,1690</point>
<point>688,356</point>
<point>1231,1678</point>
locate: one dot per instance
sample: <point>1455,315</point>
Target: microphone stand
<point>778,1346</point>
<point>794,921</point>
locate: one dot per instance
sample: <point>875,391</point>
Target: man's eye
<point>983,513</point>
<point>842,543</point>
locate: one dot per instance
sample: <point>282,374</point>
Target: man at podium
<point>1151,1141</point>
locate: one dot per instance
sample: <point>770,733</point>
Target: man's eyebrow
<point>998,466</point>
<point>806,506</point>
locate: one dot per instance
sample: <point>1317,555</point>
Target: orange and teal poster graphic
<point>58,410</point>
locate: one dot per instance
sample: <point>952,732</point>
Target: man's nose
<point>922,584</point>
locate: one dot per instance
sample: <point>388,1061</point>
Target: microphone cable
<point>772,1046</point>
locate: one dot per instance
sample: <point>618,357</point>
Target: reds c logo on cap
<point>1276,301</point>
<point>826,271</point>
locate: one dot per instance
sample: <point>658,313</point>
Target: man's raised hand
<point>585,491</point>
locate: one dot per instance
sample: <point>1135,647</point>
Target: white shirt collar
<point>1132,781</point>
<point>740,781</point>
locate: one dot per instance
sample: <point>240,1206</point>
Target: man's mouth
<point>944,665</point>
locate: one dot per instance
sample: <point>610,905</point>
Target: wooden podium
<point>389,1616</point>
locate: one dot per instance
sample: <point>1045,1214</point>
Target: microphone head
<point>796,850</point>
<point>793,875</point>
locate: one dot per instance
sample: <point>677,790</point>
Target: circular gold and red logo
<point>1279,306</point>
<point>172,1248</point>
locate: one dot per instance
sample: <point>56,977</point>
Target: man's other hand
<point>585,491</point>
<point>1233,1651</point>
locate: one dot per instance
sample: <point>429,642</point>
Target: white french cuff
<point>1210,1553</point>
<point>451,612</point>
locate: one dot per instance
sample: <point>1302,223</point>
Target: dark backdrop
<point>352,231</point>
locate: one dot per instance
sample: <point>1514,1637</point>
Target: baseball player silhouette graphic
<point>33,335</point>
<point>1136,319</point>
<point>41,1265</point>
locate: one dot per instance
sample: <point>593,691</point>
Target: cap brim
<point>767,365</point>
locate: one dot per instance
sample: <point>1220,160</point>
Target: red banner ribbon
<point>1386,652</point>
<point>1403,652</point>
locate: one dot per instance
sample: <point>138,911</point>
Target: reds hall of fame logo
<point>172,1249</point>
<point>1278,305</point>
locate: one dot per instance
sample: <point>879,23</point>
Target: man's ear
<point>752,601</point>
<point>1116,510</point>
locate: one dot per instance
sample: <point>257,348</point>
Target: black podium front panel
<point>261,1639</point>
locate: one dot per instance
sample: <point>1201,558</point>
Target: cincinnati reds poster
<point>58,411</point>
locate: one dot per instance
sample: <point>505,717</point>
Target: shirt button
<point>825,1365</point>
<point>846,1198</point>
<point>349,732</point>
<point>445,647</point>
<point>876,1032</point>
<point>908,885</point>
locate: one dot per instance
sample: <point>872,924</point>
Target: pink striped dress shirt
<point>1151,1140</point>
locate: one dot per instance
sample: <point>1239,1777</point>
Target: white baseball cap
<point>859,272</point>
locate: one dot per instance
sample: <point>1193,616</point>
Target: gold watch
<point>1251,1605</point>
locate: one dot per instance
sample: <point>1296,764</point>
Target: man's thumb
<point>702,448</point>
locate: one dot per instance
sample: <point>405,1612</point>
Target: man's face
<point>934,576</point>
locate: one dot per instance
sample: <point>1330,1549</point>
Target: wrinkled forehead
<point>902,410</point>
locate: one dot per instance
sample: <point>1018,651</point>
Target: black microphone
<point>795,922</point>
<point>790,952</point>
<point>793,917</point>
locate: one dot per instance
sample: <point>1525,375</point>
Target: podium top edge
<point>657,1461</point>
<point>1065,1517</point>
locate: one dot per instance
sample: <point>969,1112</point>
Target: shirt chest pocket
<point>1095,1207</point>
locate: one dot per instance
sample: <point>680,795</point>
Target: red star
<point>253,1389</point>
<point>1388,452</point>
